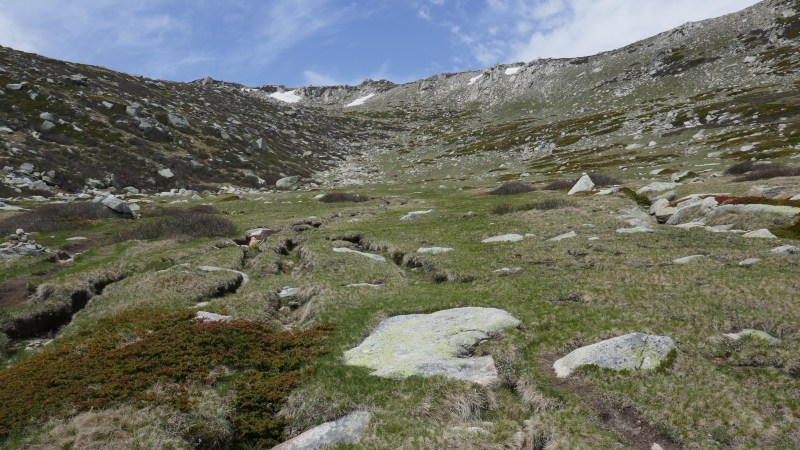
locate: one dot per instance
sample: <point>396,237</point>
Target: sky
<point>329,42</point>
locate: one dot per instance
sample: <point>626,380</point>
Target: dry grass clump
<point>340,197</point>
<point>512,188</point>
<point>59,216</point>
<point>172,212</point>
<point>180,224</point>
<point>750,171</point>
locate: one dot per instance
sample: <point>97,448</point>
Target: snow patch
<point>287,97</point>
<point>513,70</point>
<point>474,79</point>
<point>359,101</point>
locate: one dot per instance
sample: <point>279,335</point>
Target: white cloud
<point>317,79</point>
<point>522,30</point>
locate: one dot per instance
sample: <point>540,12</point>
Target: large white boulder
<point>634,351</point>
<point>346,430</point>
<point>584,184</point>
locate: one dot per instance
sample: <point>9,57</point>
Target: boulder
<point>507,270</point>
<point>244,277</point>
<point>504,238</point>
<point>766,191</point>
<point>178,121</point>
<point>634,230</point>
<point>634,351</point>
<point>288,183</point>
<point>166,173</point>
<point>346,430</point>
<point>206,316</point>
<point>749,262</point>
<point>260,233</point>
<point>760,234</point>
<point>584,184</point>
<point>371,256</point>
<point>786,250</point>
<point>656,187</point>
<point>440,343</point>
<point>117,205</point>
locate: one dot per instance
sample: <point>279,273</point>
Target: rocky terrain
<point>600,252</point>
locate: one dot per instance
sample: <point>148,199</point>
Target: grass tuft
<point>180,224</point>
<point>765,172</point>
<point>57,217</point>
<point>543,205</point>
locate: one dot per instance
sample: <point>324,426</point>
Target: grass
<point>542,205</point>
<point>765,172</point>
<point>180,224</point>
<point>617,284</point>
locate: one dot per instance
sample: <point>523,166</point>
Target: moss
<point>789,232</point>
<point>640,200</point>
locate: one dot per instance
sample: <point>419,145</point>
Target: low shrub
<point>733,200</point>
<point>59,216</point>
<point>603,180</point>
<point>512,188</point>
<point>764,172</point>
<point>640,199</point>
<point>173,212</point>
<point>339,197</point>
<point>742,168</point>
<point>124,356</point>
<point>184,224</point>
<point>559,185</point>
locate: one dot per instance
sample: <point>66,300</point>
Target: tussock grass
<point>58,217</point>
<point>559,185</point>
<point>542,205</point>
<point>512,188</point>
<point>341,197</point>
<point>767,171</point>
<point>177,225</point>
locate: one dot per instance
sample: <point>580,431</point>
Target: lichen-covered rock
<point>584,184</point>
<point>117,205</point>
<point>688,259</point>
<point>434,250</point>
<point>346,430</point>
<point>414,214</point>
<point>288,183</point>
<point>433,344</point>
<point>206,316</point>
<point>760,234</point>
<point>561,237</point>
<point>656,187</point>
<point>634,351</point>
<point>504,238</point>
<point>752,334</point>
<point>786,250</point>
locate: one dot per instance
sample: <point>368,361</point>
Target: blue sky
<point>322,42</point>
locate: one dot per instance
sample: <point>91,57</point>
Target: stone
<point>507,270</point>
<point>414,214</point>
<point>178,121</point>
<point>371,256</point>
<point>749,262</point>
<point>634,351</point>
<point>440,343</point>
<point>206,316</point>
<point>656,187</point>
<point>680,176</point>
<point>766,191</point>
<point>260,233</point>
<point>752,334</point>
<point>372,285</point>
<point>688,259</point>
<point>610,191</point>
<point>561,237</point>
<point>166,173</point>
<point>786,250</point>
<point>345,430</point>
<point>434,250</point>
<point>584,184</point>
<point>117,205</point>
<point>287,292</point>
<point>26,168</point>
<point>288,183</point>
<point>760,234</point>
<point>504,238</point>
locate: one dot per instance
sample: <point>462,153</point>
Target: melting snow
<point>288,97</point>
<point>359,101</point>
<point>474,79</point>
<point>513,70</point>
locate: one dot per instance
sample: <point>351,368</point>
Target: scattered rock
<point>507,270</point>
<point>634,351</point>
<point>414,214</point>
<point>749,262</point>
<point>656,187</point>
<point>688,259</point>
<point>372,285</point>
<point>117,205</point>
<point>503,238</point>
<point>433,344</point>
<point>584,184</point>
<point>634,230</point>
<point>178,121</point>
<point>245,277</point>
<point>434,250</point>
<point>752,334</point>
<point>346,430</point>
<point>561,237</point>
<point>206,316</point>
<point>371,256</point>
<point>761,234</point>
<point>287,292</point>
<point>166,173</point>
